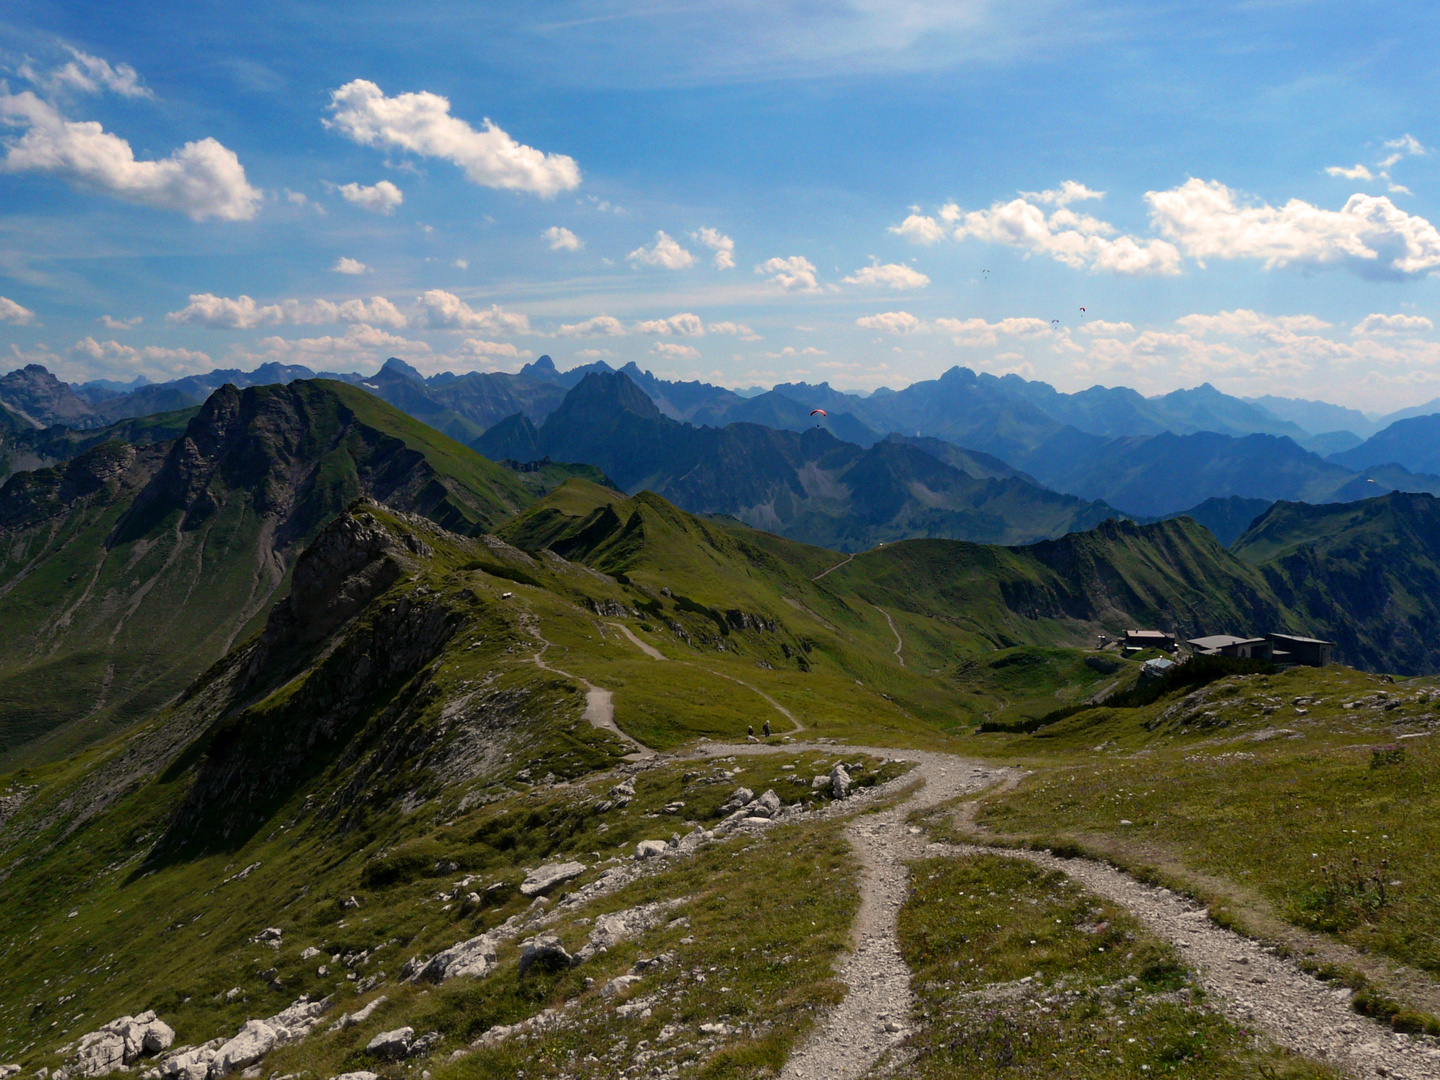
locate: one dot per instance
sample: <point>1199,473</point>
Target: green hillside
<point>1366,574</point>
<point>128,569</point>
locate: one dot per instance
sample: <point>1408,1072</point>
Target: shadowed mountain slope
<point>1365,574</point>
<point>129,568</point>
<point>1413,443</point>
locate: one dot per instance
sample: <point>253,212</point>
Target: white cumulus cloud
<point>344,265</point>
<point>1077,240</point>
<point>420,123</point>
<point>476,347</point>
<point>675,351</point>
<point>793,274</point>
<point>598,326</point>
<point>977,332</point>
<point>1069,191</point>
<point>244,313</point>
<point>202,179</point>
<point>112,323</point>
<point>87,74</point>
<point>1369,235</point>
<point>1100,326</point>
<point>888,275</point>
<point>446,311</point>
<point>893,322</point>
<point>665,252</point>
<point>561,239</point>
<point>1376,323</point>
<point>1243,322</point>
<point>151,361</point>
<point>381,198</point>
<point>738,329</point>
<point>919,228</point>
<point>12,312</point>
<point>683,324</point>
<point>719,243</point>
<point>1358,172</point>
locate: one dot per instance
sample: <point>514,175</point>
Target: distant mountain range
<point>807,485</point>
<point>1144,457</point>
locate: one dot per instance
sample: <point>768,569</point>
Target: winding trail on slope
<point>599,703</point>
<point>837,566</point>
<point>899,641</point>
<point>655,654</point>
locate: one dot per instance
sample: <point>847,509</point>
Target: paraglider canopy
<point>818,412</point>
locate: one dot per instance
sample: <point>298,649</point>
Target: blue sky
<point>864,192</point>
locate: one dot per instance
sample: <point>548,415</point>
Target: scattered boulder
<point>820,783</point>
<point>768,805</point>
<point>7,1071</point>
<point>191,1063</point>
<point>650,849</point>
<point>839,781</point>
<point>741,797</point>
<point>475,957</point>
<point>359,1075</point>
<point>609,930</point>
<point>250,1044</point>
<point>270,933</point>
<point>546,951</point>
<point>350,903</point>
<point>425,1043</point>
<point>309,952</point>
<point>541,881</point>
<point>393,1045</point>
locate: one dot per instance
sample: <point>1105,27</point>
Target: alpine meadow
<point>595,541</point>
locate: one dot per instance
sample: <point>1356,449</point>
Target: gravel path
<point>877,1007</point>
<point>599,703</point>
<point>1254,987</point>
<point>644,646</point>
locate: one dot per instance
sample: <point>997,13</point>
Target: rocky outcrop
<point>543,880</point>
<point>119,1043</point>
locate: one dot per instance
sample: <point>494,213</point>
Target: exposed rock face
<point>117,1044</point>
<point>251,760</point>
<point>475,957</point>
<point>541,881</point>
<point>391,1044</point>
<point>250,1044</point>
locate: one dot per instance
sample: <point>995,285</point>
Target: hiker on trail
<point>766,729</point>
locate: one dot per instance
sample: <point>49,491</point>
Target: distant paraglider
<point>1054,324</point>
<point>818,412</point>
<point>1082,313</point>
